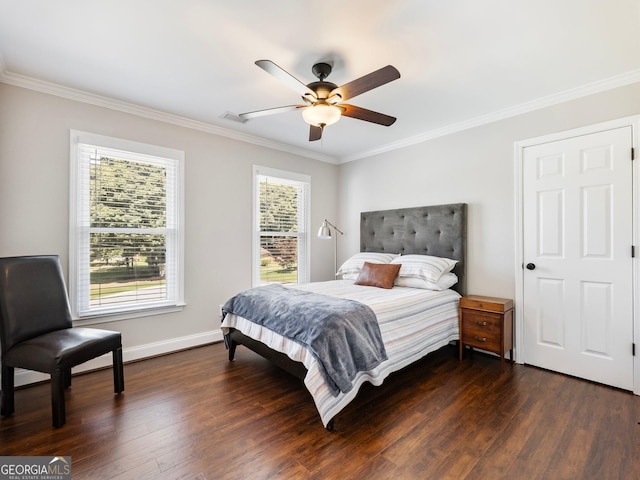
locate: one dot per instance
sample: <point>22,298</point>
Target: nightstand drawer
<point>491,332</point>
<point>481,340</point>
<point>481,320</point>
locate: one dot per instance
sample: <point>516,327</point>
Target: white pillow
<point>351,268</point>
<point>350,276</point>
<point>425,267</point>
<point>447,280</point>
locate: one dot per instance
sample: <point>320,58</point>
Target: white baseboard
<point>25,377</point>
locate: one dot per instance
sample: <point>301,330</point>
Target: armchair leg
<point>118,371</point>
<point>67,378</point>
<point>57,398</point>
<point>7,408</point>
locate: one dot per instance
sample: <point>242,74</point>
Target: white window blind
<point>281,241</point>
<point>127,249</point>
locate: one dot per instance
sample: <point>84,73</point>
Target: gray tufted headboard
<point>440,231</point>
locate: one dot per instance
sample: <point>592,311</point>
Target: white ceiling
<point>463,62</point>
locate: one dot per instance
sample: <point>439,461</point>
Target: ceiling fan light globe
<point>321,115</point>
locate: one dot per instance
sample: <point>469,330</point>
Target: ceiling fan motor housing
<point>322,89</point>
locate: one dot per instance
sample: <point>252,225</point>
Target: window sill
<point>115,317</point>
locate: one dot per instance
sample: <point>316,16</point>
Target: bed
<point>412,321</point>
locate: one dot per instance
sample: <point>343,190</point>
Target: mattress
<point>413,322</point>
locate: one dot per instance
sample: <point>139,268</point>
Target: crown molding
<point>126,107</point>
<point>543,102</point>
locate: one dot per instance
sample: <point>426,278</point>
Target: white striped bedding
<point>413,323</point>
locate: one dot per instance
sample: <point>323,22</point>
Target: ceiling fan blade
<point>366,115</point>
<point>285,77</point>
<point>269,111</point>
<point>315,133</point>
<point>368,82</point>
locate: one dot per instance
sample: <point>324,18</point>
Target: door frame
<point>519,146</point>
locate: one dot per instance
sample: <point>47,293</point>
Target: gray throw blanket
<point>343,335</point>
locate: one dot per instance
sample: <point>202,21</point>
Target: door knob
<point>531,266</point>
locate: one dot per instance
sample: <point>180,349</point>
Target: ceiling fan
<point>323,100</point>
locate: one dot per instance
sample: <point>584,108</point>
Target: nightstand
<point>486,323</point>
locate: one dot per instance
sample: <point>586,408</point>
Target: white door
<point>577,241</point>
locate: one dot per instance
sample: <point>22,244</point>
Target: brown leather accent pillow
<point>378,275</point>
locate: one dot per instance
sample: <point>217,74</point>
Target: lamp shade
<point>325,231</point>
<point>321,115</point>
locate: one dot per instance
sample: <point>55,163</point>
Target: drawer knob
<point>481,339</point>
<point>478,322</point>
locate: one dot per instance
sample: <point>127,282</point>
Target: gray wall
<point>475,166</point>
<point>34,204</point>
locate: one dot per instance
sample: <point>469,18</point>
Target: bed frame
<point>440,231</point>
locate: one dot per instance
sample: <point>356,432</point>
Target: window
<point>125,226</point>
<point>281,232</point>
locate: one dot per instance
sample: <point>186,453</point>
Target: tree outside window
<point>126,252</point>
<point>282,232</point>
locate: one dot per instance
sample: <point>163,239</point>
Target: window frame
<point>76,210</point>
<point>304,256</point>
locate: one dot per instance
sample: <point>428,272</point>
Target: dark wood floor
<point>194,415</point>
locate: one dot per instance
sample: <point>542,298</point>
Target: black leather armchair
<point>36,331</point>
